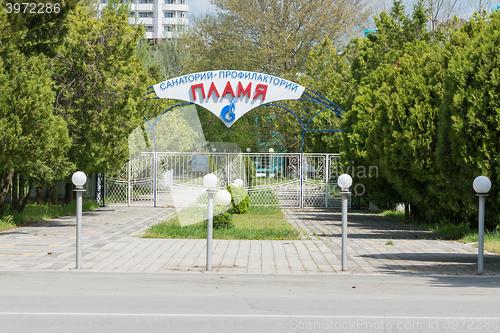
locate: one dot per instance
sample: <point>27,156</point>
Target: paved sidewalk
<point>111,244</point>
<point>413,250</point>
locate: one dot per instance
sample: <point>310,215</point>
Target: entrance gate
<point>176,179</point>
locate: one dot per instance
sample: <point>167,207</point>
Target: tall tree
<point>42,22</point>
<point>270,36</point>
<point>328,73</point>
<point>441,12</point>
<point>100,84</point>
<point>33,140</point>
<point>469,116</point>
<point>373,58</point>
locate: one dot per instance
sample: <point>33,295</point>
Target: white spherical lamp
<point>234,184</point>
<point>210,180</point>
<point>79,179</point>
<point>481,185</point>
<point>271,150</point>
<point>223,198</point>
<point>344,181</point>
<point>239,182</point>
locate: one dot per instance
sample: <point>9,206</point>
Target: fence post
<point>129,184</point>
<point>327,174</point>
<point>155,175</point>
<point>301,175</point>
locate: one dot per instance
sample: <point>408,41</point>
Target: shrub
<point>239,199</point>
<point>6,222</point>
<point>223,218</point>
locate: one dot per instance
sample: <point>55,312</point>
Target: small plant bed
<point>34,213</point>
<point>461,232</point>
<point>257,223</point>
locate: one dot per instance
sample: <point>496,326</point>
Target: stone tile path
<point>111,244</point>
<point>377,244</point>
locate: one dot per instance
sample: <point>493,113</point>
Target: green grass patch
<point>459,232</point>
<point>258,223</point>
<point>491,240</point>
<point>34,213</point>
<point>7,222</point>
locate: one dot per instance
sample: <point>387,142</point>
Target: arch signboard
<point>229,94</point>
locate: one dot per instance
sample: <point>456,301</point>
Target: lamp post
<point>79,179</point>
<point>482,186</point>
<point>344,182</point>
<point>210,182</point>
<point>221,198</point>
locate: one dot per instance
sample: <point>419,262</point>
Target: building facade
<point>161,18</point>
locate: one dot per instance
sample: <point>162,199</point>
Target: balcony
<point>142,7</point>
<point>145,20</point>
<point>173,7</point>
<point>173,21</point>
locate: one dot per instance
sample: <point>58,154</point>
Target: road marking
<point>216,315</point>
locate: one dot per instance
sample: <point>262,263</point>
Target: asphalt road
<point>80,301</point>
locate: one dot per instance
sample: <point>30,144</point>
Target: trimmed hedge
<point>223,218</point>
<point>239,199</point>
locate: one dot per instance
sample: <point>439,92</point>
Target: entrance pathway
<point>111,244</point>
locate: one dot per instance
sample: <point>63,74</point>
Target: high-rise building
<point>161,18</point>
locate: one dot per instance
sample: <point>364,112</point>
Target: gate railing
<point>176,179</point>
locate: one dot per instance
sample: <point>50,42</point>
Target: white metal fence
<point>176,179</point>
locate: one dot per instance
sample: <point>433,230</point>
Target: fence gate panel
<point>271,178</point>
<point>176,179</point>
<point>333,196</point>
<point>314,172</point>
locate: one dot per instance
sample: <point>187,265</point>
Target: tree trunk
<point>14,197</point>
<point>26,198</point>
<point>68,195</point>
<point>51,194</point>
<point>39,192</point>
<point>407,210</point>
<point>5,180</point>
<point>22,187</point>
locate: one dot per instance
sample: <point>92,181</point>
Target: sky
<point>198,7</point>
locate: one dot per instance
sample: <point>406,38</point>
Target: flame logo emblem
<point>228,110</point>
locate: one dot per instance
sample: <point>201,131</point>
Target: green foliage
<point>391,122</point>
<point>425,112</point>
<point>163,61</point>
<point>469,122</point>
<point>40,32</point>
<point>100,85</point>
<point>239,199</point>
<point>327,73</point>
<point>223,217</point>
<point>6,222</point>
<point>41,212</point>
<point>250,171</point>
